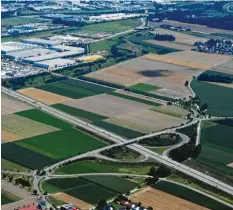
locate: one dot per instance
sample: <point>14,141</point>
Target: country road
<point>121,141</point>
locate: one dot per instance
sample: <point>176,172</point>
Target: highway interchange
<point>119,141</point>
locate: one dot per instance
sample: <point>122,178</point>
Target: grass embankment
<point>94,166</point>
<point>7,197</point>
<point>181,178</point>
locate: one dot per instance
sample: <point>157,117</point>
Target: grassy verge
<point>180,178</point>
<point>8,165</point>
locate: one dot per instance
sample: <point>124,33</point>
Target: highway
<point>121,141</point>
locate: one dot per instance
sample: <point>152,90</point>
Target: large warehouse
<point>42,42</point>
<point>55,63</point>
<point>9,47</point>
<point>66,54</point>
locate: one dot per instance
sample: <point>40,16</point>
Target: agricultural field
<point>119,130</point>
<point>107,105</point>
<point>171,110</point>
<point>10,105</point>
<point>195,27</point>
<point>39,133</point>
<point>111,27</point>
<point>217,97</point>
<point>13,152</point>
<point>70,199</point>
<point>145,121</point>
<point>89,189</point>
<point>180,38</point>
<point>217,145</point>
<point>144,87</point>
<point>13,21</point>
<point>61,144</point>
<point>162,200</point>
<point>7,197</point>
<point>95,166</point>
<point>190,59</point>
<point>169,77</point>
<point>89,116</point>
<point>174,45</point>
<point>43,96</point>
<point>224,67</point>
<point>189,195</point>
<point>8,165</point>
<point>74,88</point>
<point>16,127</point>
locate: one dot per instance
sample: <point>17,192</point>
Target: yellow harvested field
<point>146,121</point>
<point>181,38</point>
<point>162,201</point>
<point>7,136</point>
<point>69,199</point>
<point>43,96</point>
<point>10,105</point>
<point>177,61</point>
<point>92,58</point>
<point>24,127</point>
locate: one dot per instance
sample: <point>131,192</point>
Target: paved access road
<point>114,138</point>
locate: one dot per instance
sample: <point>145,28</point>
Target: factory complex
<point>43,53</point>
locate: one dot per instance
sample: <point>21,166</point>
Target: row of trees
<point>164,37</point>
<point>215,78</point>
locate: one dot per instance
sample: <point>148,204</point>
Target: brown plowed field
<point>10,105</point>
<point>9,137</point>
<point>69,199</point>
<point>43,96</point>
<point>146,121</point>
<point>107,105</point>
<point>162,201</point>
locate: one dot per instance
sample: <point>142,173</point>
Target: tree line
<point>215,78</point>
<point>164,37</point>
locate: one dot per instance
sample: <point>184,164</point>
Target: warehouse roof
<point>57,61</point>
<point>52,56</point>
<point>69,48</point>
<point>42,41</point>
<point>30,53</point>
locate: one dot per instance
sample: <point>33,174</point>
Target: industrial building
<point>41,42</point>
<point>68,48</point>
<point>55,63</point>
<point>9,47</point>
<point>66,54</point>
<point>28,53</point>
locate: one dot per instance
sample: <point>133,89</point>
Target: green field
<point>121,131</point>
<point>132,98</point>
<point>92,166</point>
<point>79,112</point>
<point>114,183</point>
<point>8,165</point>
<point>190,195</point>
<point>21,20</point>
<point>112,27</point>
<point>144,87</point>
<point>217,145</point>
<point>7,197</point>
<point>218,98</point>
<point>75,88</point>
<point>61,144</point>
<point>89,189</point>
<point>25,157</point>
<point>37,115</point>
